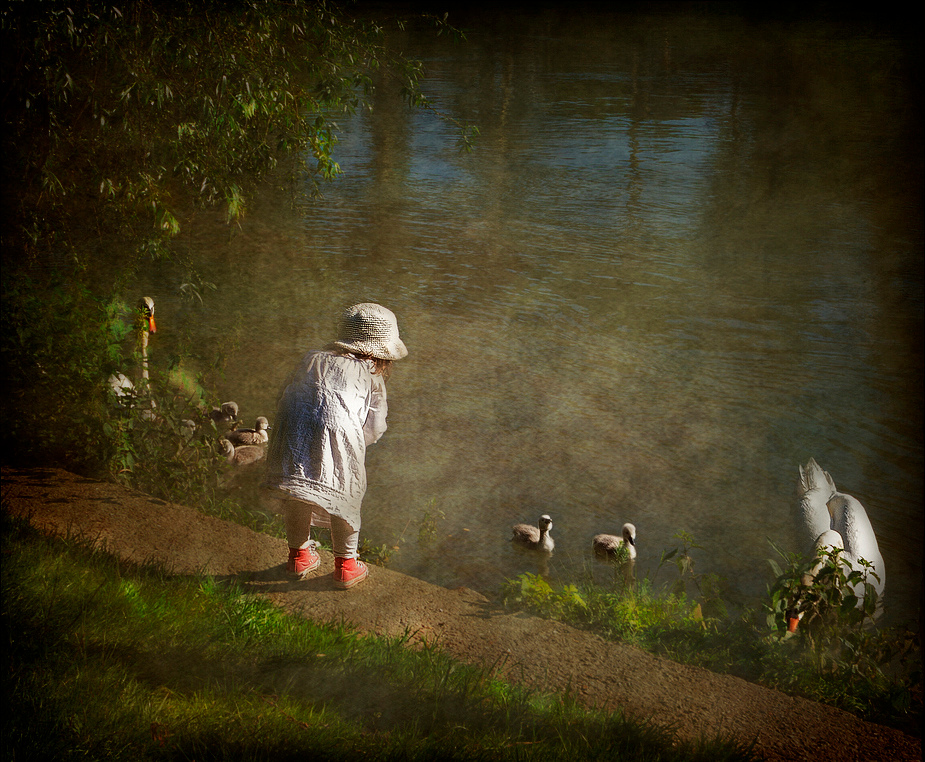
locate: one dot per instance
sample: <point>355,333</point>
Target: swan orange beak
<point>151,326</point>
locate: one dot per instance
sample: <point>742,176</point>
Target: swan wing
<point>522,533</point>
<point>815,488</point>
<point>850,520</point>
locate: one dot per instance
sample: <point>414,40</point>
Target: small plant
<point>380,555</point>
<point>427,526</point>
<point>533,592</point>
<point>823,594</point>
<point>710,587</point>
<point>824,610</point>
<point>636,615</point>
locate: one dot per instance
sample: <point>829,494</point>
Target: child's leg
<point>348,569</point>
<point>298,518</point>
<point>344,538</point>
<point>302,555</point>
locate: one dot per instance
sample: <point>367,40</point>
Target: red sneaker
<point>302,561</point>
<point>348,572</point>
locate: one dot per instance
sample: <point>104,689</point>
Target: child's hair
<point>380,367</point>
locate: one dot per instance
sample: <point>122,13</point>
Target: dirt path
<point>535,651</point>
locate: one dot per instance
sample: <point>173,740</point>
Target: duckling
<point>619,551</point>
<point>223,417</point>
<point>255,436</point>
<point>534,537</point>
<point>608,547</point>
<point>244,455</point>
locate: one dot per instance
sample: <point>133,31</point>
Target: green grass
<point>111,661</point>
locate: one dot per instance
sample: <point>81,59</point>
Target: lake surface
<point>684,257</point>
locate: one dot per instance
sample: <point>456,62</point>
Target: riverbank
<point>464,623</point>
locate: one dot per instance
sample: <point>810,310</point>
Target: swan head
<point>262,424</point>
<point>629,534</point>
<point>146,308</point>
<point>545,523</point>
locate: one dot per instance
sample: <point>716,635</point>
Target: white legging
<point>298,518</point>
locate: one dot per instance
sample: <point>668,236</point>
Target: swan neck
<point>143,346</point>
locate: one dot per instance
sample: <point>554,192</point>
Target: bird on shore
<point>535,538</point>
<point>255,436</point>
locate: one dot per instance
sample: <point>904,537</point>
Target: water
<point>684,257</point>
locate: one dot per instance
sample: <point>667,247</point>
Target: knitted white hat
<point>370,329</point>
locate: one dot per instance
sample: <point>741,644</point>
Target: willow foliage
<point>119,115</point>
<point>120,120</point>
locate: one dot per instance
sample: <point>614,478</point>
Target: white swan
<point>255,436</point>
<point>829,518</point>
<point>534,537</point>
<point>120,384</point>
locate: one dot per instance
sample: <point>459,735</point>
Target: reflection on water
<point>684,257</point>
